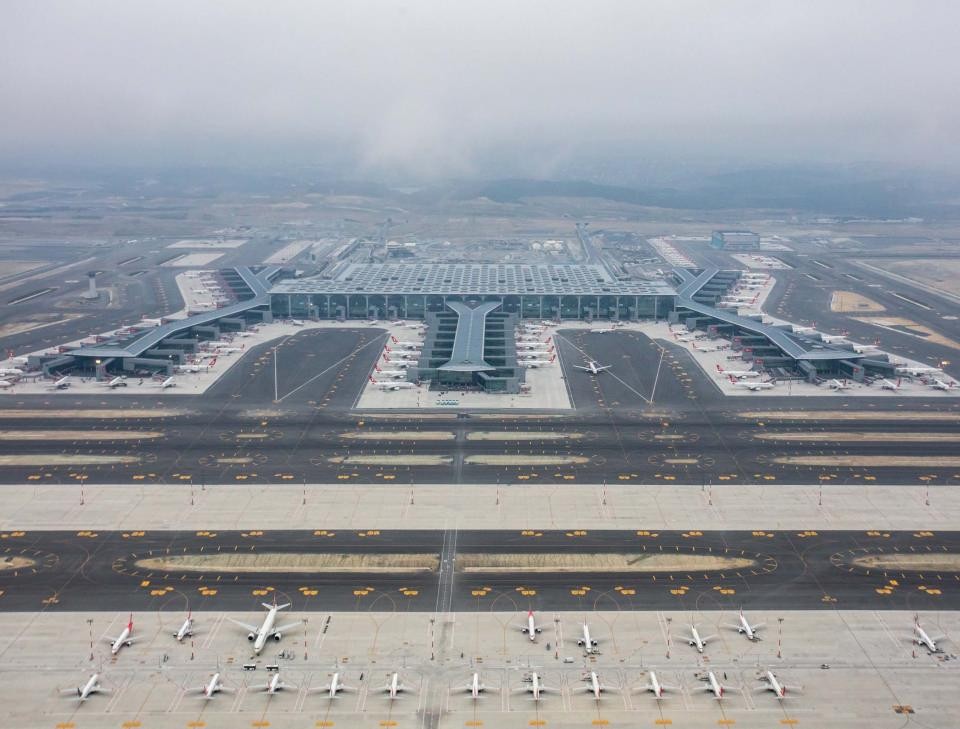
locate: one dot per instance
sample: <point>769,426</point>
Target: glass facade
<point>416,306</point>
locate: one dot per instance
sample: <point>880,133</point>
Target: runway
<point>480,570</point>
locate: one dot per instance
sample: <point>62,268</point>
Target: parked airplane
<point>125,638</point>
<point>536,363</point>
<point>889,385</point>
<point>169,382</point>
<point>838,385</point>
<point>392,374</point>
<point>406,345</point>
<point>594,368</point>
<point>296,322</point>
<point>531,345</point>
<point>595,687</point>
<point>531,628</point>
<point>695,640</point>
<point>393,385</point>
<point>334,687</point>
<point>115,382</point>
<point>267,629</point>
<point>4,384</point>
<point>743,627</point>
<point>186,629</point>
<point>212,688</point>
<point>715,687</point>
<point>394,688</point>
<point>92,686</point>
<point>605,330</point>
<point>921,637</point>
<point>938,384</point>
<point>585,641</point>
<point>274,685</point>
<point>10,371</point>
<point>475,688</point>
<point>752,386</point>
<point>655,687</point>
<point>535,688</point>
<point>771,683</point>
<point>62,384</point>
<point>685,338</point>
<point>738,374</point>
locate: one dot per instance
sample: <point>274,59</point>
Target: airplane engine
<point>251,636</point>
<point>594,643</point>
<point>277,636</point>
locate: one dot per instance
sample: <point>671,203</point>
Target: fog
<point>433,89</point>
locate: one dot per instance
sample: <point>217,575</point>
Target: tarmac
<point>852,669</point>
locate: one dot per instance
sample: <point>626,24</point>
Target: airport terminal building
<point>415,290</point>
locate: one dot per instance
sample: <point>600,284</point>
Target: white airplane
<point>535,688</point>
<point>4,384</point>
<point>212,688</point>
<point>604,330</point>
<point>921,637</point>
<point>695,640</point>
<point>685,338</point>
<point>92,686</point>
<point>394,688</point>
<point>706,347</point>
<point>393,385</point>
<point>715,687</point>
<point>267,629</point>
<point>17,360</point>
<point>803,330</point>
<point>594,368</point>
<point>222,349</point>
<point>405,345</point>
<point>588,644</point>
<point>125,638</point>
<point>838,385</point>
<point>274,685</point>
<point>890,385</point>
<point>335,686</point>
<point>738,374</point>
<point>938,384</point>
<point>831,338</point>
<point>169,382</point>
<point>186,629</point>
<point>752,386</point>
<point>771,683</point>
<point>475,688</point>
<point>655,687</point>
<point>531,628</point>
<point>392,374</point>
<point>534,364</point>
<point>533,353</point>
<point>296,323</point>
<point>595,687</point>
<point>743,627</point>
<point>62,384</point>
<point>10,371</point>
<point>400,364</point>
<point>532,345</point>
<point>191,368</point>
<point>115,382</point>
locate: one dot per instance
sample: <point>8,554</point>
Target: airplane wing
<point>226,689</point>
<point>758,626</point>
<point>603,367</point>
<point>246,626</point>
<point>585,369</point>
<point>705,638</point>
<point>288,626</point>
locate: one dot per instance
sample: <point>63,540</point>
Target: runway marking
<point>524,460</point>
<point>521,435</point>
<point>392,460</point>
<point>854,461</point>
<point>39,459</point>
<point>866,436</point>
<point>432,435</point>
<point>945,562</point>
<point>105,414</point>
<point>290,562</point>
<point>566,562</point>
<point>828,415</point>
<point>45,435</point>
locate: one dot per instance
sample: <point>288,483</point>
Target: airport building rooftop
<point>464,279</point>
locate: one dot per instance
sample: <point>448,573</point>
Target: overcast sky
<point>436,87</point>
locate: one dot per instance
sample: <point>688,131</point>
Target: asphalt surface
<point>788,570</point>
<point>690,433</point>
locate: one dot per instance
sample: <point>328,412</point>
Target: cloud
<point>433,88</point>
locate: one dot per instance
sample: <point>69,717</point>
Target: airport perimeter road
<point>499,571</point>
